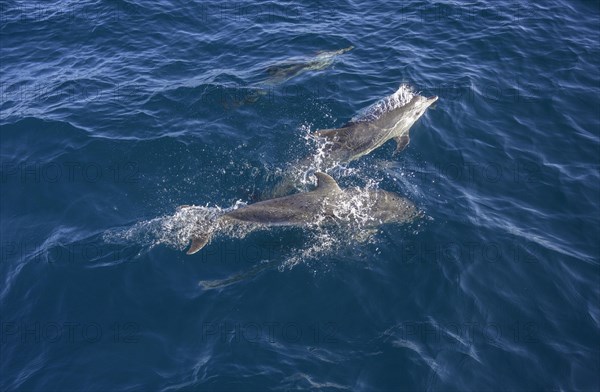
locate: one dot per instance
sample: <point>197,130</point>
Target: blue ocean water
<point>114,113</point>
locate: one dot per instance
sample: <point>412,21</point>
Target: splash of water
<point>299,175</point>
<point>176,230</point>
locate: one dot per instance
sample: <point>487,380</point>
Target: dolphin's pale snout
<point>431,101</point>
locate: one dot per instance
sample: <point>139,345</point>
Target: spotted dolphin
<point>319,205</point>
<point>280,73</point>
<point>389,119</point>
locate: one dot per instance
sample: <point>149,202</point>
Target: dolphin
<point>280,73</point>
<point>320,205</point>
<point>390,118</point>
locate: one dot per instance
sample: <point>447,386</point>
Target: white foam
<point>176,230</point>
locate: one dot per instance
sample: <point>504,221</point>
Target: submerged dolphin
<point>321,204</point>
<point>282,72</point>
<point>390,118</point>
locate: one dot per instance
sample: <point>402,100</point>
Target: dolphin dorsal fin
<point>325,183</point>
<point>198,243</point>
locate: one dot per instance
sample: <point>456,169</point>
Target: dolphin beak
<point>431,102</point>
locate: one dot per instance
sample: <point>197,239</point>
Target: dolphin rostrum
<point>390,118</point>
<point>280,73</point>
<point>325,203</point>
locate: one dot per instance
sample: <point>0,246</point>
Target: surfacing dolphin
<point>323,204</point>
<point>280,73</point>
<point>390,118</point>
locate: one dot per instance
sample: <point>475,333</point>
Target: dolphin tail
<point>198,243</point>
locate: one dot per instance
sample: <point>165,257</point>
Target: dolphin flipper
<point>401,143</point>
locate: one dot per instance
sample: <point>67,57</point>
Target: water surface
<point>113,113</point>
